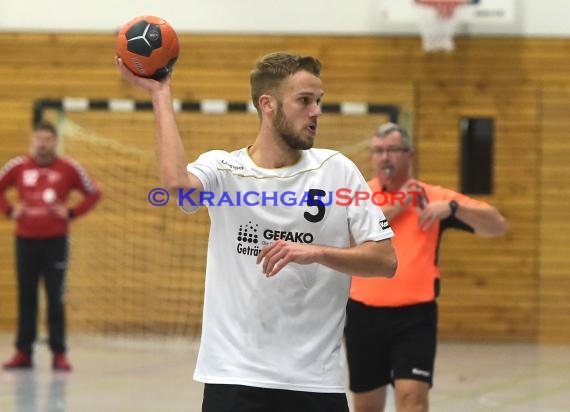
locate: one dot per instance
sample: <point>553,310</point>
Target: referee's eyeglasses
<point>391,150</point>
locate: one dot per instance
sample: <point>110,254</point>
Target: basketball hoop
<point>437,20</point>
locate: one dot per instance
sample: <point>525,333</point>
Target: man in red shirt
<point>391,325</point>
<point>43,181</point>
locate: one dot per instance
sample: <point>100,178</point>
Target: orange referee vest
<point>417,273</point>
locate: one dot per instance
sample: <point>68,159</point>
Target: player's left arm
<point>370,259</point>
<point>89,189</point>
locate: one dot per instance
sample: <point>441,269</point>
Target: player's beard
<point>45,157</point>
<point>285,129</point>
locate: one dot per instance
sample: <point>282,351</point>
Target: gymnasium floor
<point>116,375</point>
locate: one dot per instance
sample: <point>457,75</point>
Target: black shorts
<point>238,398</point>
<point>385,344</point>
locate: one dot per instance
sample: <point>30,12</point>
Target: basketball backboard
<point>439,20</point>
<point>483,12</point>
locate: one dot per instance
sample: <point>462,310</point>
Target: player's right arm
<point>170,149</point>
<point>8,179</point>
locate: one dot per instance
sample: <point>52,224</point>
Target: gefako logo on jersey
<point>248,239</point>
<point>249,243</point>
<point>297,237</point>
<point>248,233</point>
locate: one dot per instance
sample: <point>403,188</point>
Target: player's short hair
<point>387,128</point>
<point>47,126</point>
<point>273,68</point>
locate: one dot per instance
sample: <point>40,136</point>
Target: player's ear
<point>266,103</point>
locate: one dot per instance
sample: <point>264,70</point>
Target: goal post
<point>138,269</point>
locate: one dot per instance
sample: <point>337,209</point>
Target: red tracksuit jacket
<point>39,187</point>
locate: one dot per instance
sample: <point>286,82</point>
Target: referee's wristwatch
<point>453,205</point>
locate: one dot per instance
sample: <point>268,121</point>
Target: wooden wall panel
<point>554,236</point>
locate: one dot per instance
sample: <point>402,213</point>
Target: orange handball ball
<point>148,46</point>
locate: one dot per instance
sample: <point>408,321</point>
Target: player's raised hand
<point>148,84</point>
<point>276,255</point>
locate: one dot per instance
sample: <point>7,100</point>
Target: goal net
<point>137,269</point>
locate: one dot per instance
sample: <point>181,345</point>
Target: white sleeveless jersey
<point>282,332</point>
